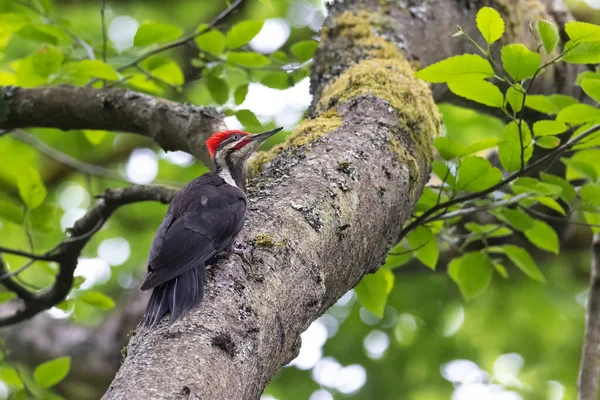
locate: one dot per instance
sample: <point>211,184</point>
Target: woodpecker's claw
<point>246,252</point>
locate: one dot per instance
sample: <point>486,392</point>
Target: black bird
<point>202,222</point>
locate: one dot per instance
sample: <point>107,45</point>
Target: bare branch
<point>72,162</point>
<point>173,126</point>
<point>471,210</point>
<point>104,36</point>
<point>67,252</point>
<point>19,290</point>
<point>590,356</point>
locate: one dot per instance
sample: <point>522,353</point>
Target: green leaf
<point>476,173</point>
<point>43,218</point>
<point>169,72</point>
<point>45,33</point>
<point>582,53</point>
<point>65,305</point>
<point>85,69</point>
<point>5,296</point>
<point>280,57</point>
<point>480,91</point>
<point>534,186</point>
<point>427,200</point>
<point>590,197</point>
<point>47,60</point>
<point>242,33</point>
<point>212,42</point>
<point>586,75</point>
<point>304,50</point>
<point>374,289</point>
<point>96,299</point>
<point>591,87</point>
<point>472,273</point>
<point>248,119</point>
<point>9,211</point>
<point>548,127</point>
<point>248,59</point>
<point>488,230</point>
<point>276,80</point>
<point>481,145</point>
<point>9,376</point>
<point>94,136</point>
<point>218,88</point>
<point>514,97</point>
<point>594,220</point>
<point>423,242</point>
<point>578,113</point>
<point>549,104</point>
<point>465,66</point>
<point>552,204</point>
<point>31,188</point>
<point>548,33</point>
<point>543,236</point>
<point>582,31</point>
<point>240,94</point>
<point>152,32</point>
<point>568,191</point>
<point>490,24</point>
<point>522,260</point>
<point>515,218</point>
<point>52,372</point>
<point>449,148</point>
<point>547,142</point>
<point>579,168</point>
<point>509,151</point>
<point>46,5</point>
<point>520,62</point>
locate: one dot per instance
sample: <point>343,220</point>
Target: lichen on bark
<point>305,133</point>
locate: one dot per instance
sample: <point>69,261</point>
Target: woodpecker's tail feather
<point>177,296</point>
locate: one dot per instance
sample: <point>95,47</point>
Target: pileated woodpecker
<point>201,224</point>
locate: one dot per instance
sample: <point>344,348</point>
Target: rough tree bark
<point>330,201</point>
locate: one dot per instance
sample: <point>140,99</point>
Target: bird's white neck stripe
<point>226,175</point>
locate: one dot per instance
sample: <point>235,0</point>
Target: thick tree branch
<point>67,252</point>
<point>590,356</point>
<point>173,126</point>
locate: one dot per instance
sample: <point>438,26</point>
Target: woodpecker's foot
<point>246,253</point>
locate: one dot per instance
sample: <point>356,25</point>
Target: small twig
<point>72,162</point>
<point>14,287</point>
<point>104,37</point>
<point>40,257</point>
<point>559,219</point>
<point>471,210</point>
<point>10,274</point>
<point>590,355</point>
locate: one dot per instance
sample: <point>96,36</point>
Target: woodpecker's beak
<point>261,137</point>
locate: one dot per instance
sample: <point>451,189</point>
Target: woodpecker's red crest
<point>217,138</point>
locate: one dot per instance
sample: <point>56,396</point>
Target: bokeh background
<point>519,340</point>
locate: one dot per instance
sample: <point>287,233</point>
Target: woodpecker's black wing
<point>203,220</point>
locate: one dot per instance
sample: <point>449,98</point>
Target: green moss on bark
<point>305,133</point>
<point>385,73</point>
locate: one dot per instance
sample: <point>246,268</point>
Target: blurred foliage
<point>427,323</point>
